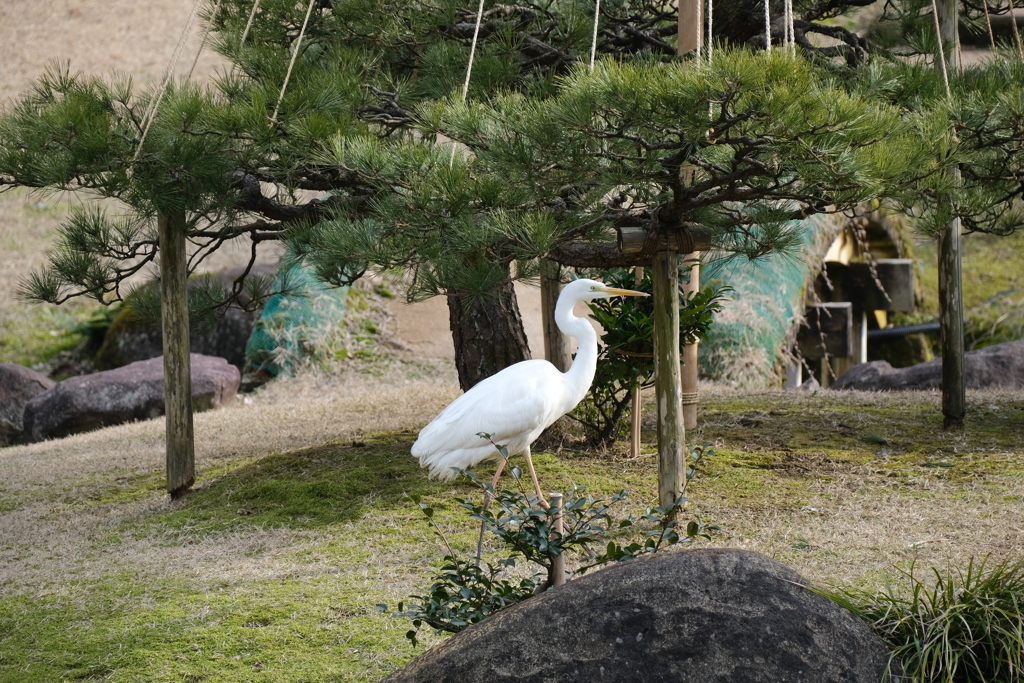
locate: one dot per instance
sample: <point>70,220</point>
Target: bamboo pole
<point>558,561</point>
<point>556,345</point>
<point>667,387</point>
<point>689,371</point>
<point>180,440</point>
<point>951,307</point>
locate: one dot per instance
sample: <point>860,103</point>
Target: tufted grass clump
<point>965,626</point>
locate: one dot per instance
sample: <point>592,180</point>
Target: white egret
<point>517,404</point>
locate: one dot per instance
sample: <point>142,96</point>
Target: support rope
<point>472,50</point>
<point>768,27</point>
<point>711,16</point>
<point>469,72</point>
<point>248,24</point>
<point>988,23</point>
<point>942,49</point>
<point>154,104</point>
<point>593,43</point>
<point>790,26</point>
<point>1016,31</point>
<point>202,43</point>
<point>291,64</point>
<point>699,28</point>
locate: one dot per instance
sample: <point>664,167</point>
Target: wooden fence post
<point>180,440</point>
<point>667,387</point>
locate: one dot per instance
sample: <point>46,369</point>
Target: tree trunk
<point>488,333</point>
<point>556,344</point>
<point>180,442</point>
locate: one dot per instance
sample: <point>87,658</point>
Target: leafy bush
<point>467,591</point>
<point>966,627</point>
<point>626,358</point>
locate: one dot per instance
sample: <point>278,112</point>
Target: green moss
<point>322,629</point>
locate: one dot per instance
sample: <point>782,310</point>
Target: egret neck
<point>580,374</point>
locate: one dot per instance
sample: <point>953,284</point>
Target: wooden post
<point>667,387</point>
<point>689,371</point>
<point>951,306</point>
<point>636,414</point>
<point>691,26</point>
<point>558,561</point>
<point>181,468</point>
<point>556,345</point>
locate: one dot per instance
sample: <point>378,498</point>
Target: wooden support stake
<point>690,26</point>
<point>951,318</point>
<point>636,413</point>
<point>180,441</point>
<point>689,371</point>
<point>667,387</point>
<point>951,306</point>
<point>556,344</point>
<point>558,561</point>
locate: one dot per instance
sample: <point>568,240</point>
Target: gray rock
<point>18,385</point>
<point>134,392</point>
<point>1000,366</point>
<point>728,616</point>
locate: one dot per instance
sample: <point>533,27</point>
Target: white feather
<point>517,404</point>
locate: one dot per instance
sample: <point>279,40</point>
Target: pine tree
<point>549,159</point>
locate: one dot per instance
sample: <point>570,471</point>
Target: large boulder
<point>1000,366</point>
<point>18,385</point>
<point>728,616</point>
<point>134,392</point>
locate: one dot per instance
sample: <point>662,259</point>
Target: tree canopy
<point>544,158</point>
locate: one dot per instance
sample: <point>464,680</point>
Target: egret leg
<point>487,501</point>
<point>536,484</point>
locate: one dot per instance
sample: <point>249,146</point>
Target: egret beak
<point>615,291</point>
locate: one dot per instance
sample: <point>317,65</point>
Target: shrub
<point>467,591</point>
<point>626,358</point>
<point>966,626</point>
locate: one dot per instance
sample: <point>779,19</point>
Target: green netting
<point>748,342</point>
<point>297,324</point>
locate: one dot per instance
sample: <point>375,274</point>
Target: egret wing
<point>509,406</point>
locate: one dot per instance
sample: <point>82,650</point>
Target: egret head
<point>585,290</point>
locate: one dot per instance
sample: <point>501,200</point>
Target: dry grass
<point>842,515</point>
<point>51,535</point>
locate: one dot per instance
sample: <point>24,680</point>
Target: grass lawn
<point>271,569</point>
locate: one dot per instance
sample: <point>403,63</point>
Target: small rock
<point>702,616</point>
<point>18,385</point>
<point>134,392</point>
